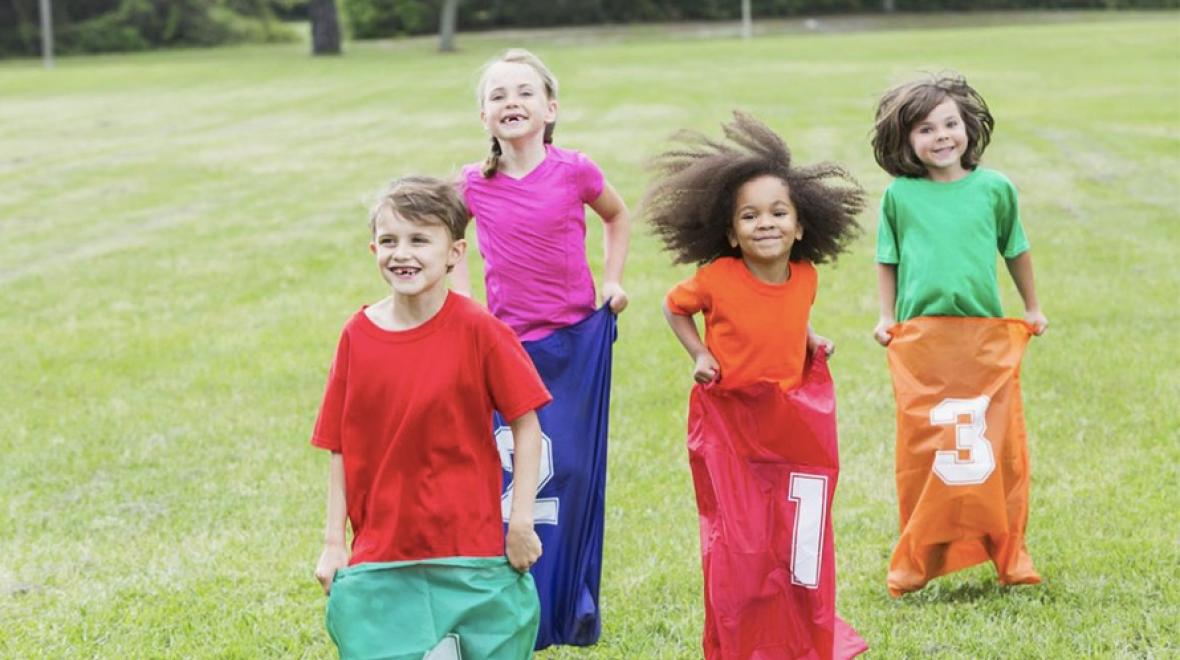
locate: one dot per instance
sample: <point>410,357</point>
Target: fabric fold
<point>962,462</point>
<point>765,464</point>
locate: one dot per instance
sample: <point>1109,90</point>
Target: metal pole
<point>46,34</point>
<point>747,21</point>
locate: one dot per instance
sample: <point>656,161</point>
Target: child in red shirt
<point>408,409</point>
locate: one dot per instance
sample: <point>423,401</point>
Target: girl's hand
<point>613,291</point>
<point>523,546</point>
<point>819,342</point>
<point>333,558</point>
<point>1037,320</point>
<point>706,369</point>
<point>881,332</point>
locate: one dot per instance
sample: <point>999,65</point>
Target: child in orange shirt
<point>757,223</point>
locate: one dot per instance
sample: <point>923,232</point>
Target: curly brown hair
<point>905,105</point>
<point>691,203</point>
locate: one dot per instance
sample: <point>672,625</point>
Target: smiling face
<point>514,103</point>
<point>413,257</point>
<point>765,224</point>
<point>939,140</point>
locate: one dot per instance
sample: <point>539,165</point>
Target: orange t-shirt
<point>756,330</point>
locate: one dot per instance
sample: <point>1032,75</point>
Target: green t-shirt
<point>943,237</point>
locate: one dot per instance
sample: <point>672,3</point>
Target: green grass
<point>182,235</point>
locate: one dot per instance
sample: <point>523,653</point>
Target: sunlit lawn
<point>183,234</point>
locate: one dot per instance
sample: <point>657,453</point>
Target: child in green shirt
<point>962,455</point>
<point>944,217</point>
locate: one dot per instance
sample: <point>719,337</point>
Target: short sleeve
<point>512,380</point>
<point>688,297</point>
<point>326,434</point>
<point>590,179</point>
<point>887,252</point>
<point>467,182</point>
<point>1010,238</point>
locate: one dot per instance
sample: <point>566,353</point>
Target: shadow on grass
<point>975,592</point>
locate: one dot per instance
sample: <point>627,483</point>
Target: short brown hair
<point>905,105</point>
<point>423,200</point>
<point>691,203</point>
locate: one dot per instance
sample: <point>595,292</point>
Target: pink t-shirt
<point>532,236</point>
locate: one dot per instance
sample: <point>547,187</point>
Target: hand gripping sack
<point>575,364</point>
<point>435,609</point>
<point>764,465</point>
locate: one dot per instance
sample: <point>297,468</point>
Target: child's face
<point>414,258</point>
<point>514,104</point>
<point>765,224</point>
<point>939,140</point>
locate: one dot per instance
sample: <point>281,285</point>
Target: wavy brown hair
<point>691,203</point>
<point>905,105</point>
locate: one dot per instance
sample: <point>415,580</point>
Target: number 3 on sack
<point>969,439</point>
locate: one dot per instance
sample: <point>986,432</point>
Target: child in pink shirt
<point>528,199</point>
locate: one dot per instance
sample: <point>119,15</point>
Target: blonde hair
<point>519,56</point>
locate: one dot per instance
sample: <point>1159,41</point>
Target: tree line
<point>96,26</point>
<point>117,25</point>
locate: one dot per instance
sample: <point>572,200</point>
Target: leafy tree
<point>115,25</point>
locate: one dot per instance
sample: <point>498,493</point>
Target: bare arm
<point>616,243</point>
<point>887,294</point>
<point>817,341</point>
<point>1021,269</point>
<point>335,554</point>
<point>705,367</point>
<point>522,544</point>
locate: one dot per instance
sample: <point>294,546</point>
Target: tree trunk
<point>46,33</point>
<point>446,26</point>
<point>747,20</point>
<point>888,6</point>
<point>325,27</point>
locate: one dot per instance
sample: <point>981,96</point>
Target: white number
<point>809,492</point>
<point>968,438</point>
<point>545,510</point>
<point>446,649</point>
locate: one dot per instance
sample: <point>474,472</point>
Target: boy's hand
<point>706,369</point>
<point>523,546</point>
<point>881,332</point>
<point>613,291</point>
<point>333,558</point>
<point>819,342</point>
<point>1037,320</point>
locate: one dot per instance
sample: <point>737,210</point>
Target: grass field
<point>182,235</point>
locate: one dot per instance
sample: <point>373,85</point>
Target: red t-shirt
<point>756,330</point>
<point>411,412</point>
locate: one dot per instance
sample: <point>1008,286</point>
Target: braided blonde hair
<point>520,56</point>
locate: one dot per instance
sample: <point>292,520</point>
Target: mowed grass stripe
<point>184,234</point>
